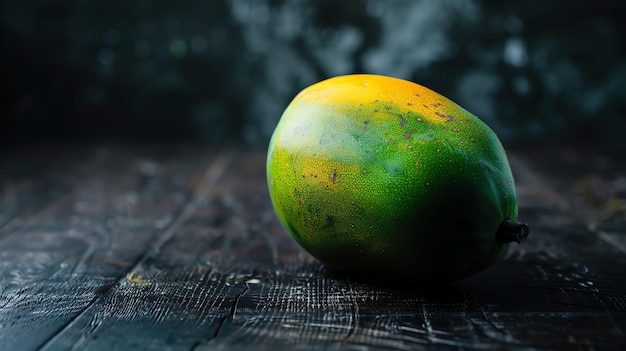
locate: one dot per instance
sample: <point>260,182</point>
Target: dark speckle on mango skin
<point>420,184</point>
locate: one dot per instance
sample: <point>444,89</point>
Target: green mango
<point>384,178</point>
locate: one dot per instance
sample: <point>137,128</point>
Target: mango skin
<point>385,178</point>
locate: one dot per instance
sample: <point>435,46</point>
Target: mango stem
<point>511,230</point>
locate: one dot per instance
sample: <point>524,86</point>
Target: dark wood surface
<point>178,247</point>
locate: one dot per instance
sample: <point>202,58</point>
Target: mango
<point>384,178</point>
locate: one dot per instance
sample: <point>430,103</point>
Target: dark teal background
<point>223,71</point>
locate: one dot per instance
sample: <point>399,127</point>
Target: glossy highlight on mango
<point>384,178</point>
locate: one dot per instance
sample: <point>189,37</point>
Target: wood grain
<point>177,247</point>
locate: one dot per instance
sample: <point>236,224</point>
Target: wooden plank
<point>71,250</point>
<point>30,179</point>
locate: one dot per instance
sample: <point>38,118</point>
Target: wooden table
<point>177,247</point>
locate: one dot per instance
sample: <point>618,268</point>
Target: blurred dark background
<point>223,71</point>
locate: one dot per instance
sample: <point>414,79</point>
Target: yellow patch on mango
<point>361,89</point>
